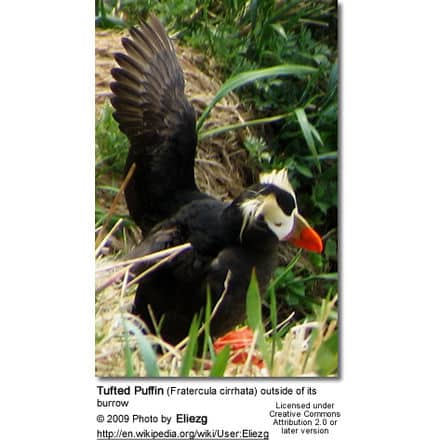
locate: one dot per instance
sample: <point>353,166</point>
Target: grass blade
<point>221,362</point>
<point>253,304</point>
<point>255,318</point>
<point>274,324</point>
<point>129,371</point>
<point>247,77</point>
<point>191,348</point>
<point>287,269</point>
<point>146,350</point>
<point>219,130</point>
<point>307,130</point>
<point>206,330</point>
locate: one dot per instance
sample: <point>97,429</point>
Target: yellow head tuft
<point>278,178</point>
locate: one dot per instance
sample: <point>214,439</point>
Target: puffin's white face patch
<point>278,222</point>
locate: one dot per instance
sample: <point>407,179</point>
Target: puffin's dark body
<point>177,290</point>
<point>163,199</point>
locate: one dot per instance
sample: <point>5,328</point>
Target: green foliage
<point>301,290</point>
<point>191,348</point>
<point>249,36</point>
<point>259,150</point>
<point>118,13</point>
<point>111,144</point>
<point>325,349</point>
<point>244,78</point>
<point>253,304</point>
<point>146,350</point>
<point>255,318</point>
<point>327,356</point>
<point>111,149</point>
<point>221,361</point>
<point>129,370</point>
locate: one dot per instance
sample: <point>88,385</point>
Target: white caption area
<point>195,410</point>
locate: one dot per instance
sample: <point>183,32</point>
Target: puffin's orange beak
<point>304,236</point>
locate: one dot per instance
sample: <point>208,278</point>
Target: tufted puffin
<point>229,239</point>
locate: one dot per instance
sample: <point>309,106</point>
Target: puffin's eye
<point>285,201</point>
<point>278,224</point>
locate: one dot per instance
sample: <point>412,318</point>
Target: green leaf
<point>331,155</point>
<point>219,130</point>
<point>279,28</point>
<point>254,317</point>
<point>247,77</point>
<point>129,371</point>
<point>295,292</point>
<point>207,328</point>
<point>304,170</point>
<point>283,272</point>
<point>333,78</point>
<point>273,308</point>
<point>253,304</point>
<point>316,260</point>
<point>146,350</point>
<point>191,348</point>
<point>111,144</point>
<point>111,189</point>
<point>220,363</point>
<point>307,130</point>
<point>316,134</point>
<point>325,193</point>
<point>330,248</point>
<point>333,276</point>
<point>327,356</point>
<point>109,21</point>
<point>274,323</point>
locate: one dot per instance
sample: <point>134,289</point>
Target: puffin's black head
<point>271,206</point>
